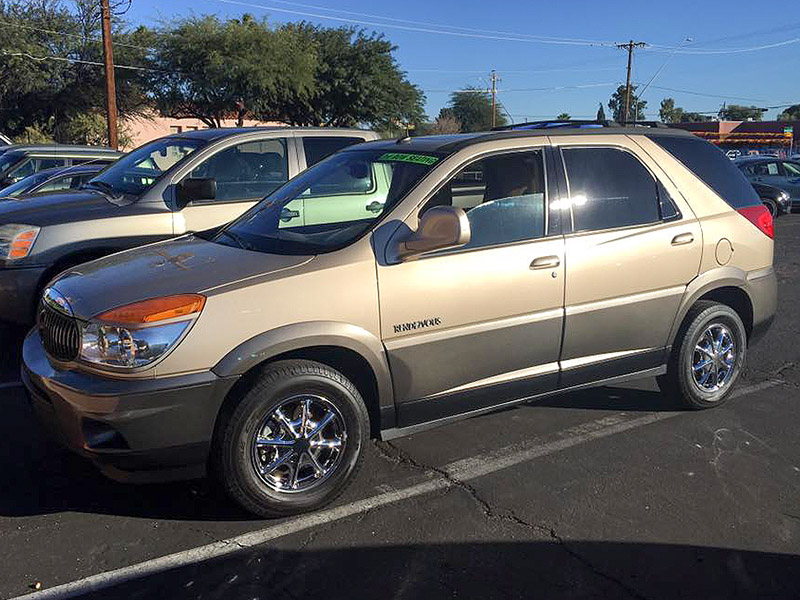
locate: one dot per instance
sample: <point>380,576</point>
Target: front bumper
<point>133,430</point>
<point>18,288</point>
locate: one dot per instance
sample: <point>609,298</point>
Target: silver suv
<point>399,285</point>
<point>187,182</point>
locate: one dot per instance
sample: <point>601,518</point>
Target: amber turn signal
<point>156,309</point>
<point>22,244</point>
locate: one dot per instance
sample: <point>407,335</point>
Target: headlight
<point>783,197</point>
<point>136,335</point>
<point>16,241</point>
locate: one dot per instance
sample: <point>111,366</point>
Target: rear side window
<point>712,166</point>
<point>316,148</point>
<point>609,188</point>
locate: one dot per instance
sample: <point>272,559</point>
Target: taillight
<point>761,218</point>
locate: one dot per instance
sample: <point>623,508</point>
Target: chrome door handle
<point>682,239</point>
<point>545,262</point>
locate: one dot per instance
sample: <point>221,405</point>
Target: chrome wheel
<point>714,358</point>
<point>299,444</point>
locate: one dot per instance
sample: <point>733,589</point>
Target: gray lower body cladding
<point>144,430</point>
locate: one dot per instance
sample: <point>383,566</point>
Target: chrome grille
<point>60,333</point>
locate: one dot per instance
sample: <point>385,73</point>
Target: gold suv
<point>399,285</point>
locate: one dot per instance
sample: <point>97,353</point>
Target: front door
<point>245,173</point>
<point>791,181</point>
<point>630,254</point>
<point>478,325</point>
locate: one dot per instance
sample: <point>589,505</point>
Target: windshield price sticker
<point>419,159</point>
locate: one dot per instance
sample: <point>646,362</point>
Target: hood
<point>183,265</point>
<point>56,209</point>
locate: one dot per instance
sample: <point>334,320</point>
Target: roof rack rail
<point>556,123</point>
<point>654,124</point>
<point>577,124</point>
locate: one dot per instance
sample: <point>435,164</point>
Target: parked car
<point>18,162</point>
<point>187,182</point>
<point>777,201</point>
<point>475,271</point>
<point>52,180</point>
<point>777,172</point>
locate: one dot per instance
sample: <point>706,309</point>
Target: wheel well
<point>348,362</point>
<point>738,300</point>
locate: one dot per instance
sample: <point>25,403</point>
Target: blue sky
<point>445,45</point>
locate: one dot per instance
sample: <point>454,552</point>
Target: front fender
<point>297,336</point>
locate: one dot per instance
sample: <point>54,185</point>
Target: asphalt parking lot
<point>606,493</point>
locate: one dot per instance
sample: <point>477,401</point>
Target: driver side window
<point>503,196</point>
<point>247,171</point>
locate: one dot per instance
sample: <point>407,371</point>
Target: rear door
<point>631,248</point>
<point>791,173</point>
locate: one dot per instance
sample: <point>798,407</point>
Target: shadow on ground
<point>41,476</point>
<point>547,569</point>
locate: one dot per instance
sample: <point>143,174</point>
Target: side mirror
<point>191,189</point>
<point>440,227</point>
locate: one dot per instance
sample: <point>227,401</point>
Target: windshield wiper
<point>236,238</point>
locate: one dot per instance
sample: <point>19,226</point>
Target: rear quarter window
<point>712,166</point>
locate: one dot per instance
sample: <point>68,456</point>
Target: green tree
<point>617,105</point>
<point>563,117</point>
<point>473,109</point>
<point>736,112</point>
<point>669,113</point>
<point>212,70</point>
<point>40,93</point>
<point>601,113</point>
<point>357,80</point>
<point>790,114</point>
<point>693,117</point>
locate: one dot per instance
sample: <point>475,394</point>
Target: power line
<point>67,34</point>
<point>75,60</point>
<point>510,38</point>
<point>507,91</point>
<point>424,23</point>
<point>709,52</point>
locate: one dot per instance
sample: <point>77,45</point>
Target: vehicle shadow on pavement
<point>529,569</point>
<point>41,477</point>
<point>613,399</point>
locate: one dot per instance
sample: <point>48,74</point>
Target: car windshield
<point>134,173</point>
<point>330,205</point>
<point>24,185</point>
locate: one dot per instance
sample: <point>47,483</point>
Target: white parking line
<point>462,470</point>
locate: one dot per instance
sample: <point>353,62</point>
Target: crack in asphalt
<point>393,453</point>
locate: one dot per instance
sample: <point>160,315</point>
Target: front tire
<point>295,440</point>
<point>708,356</point>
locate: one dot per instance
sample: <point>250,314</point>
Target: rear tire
<point>267,455</point>
<point>707,358</point>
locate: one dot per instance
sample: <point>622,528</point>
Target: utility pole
<point>494,96</point>
<point>629,47</point>
<point>111,91</point>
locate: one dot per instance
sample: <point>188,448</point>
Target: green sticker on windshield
<point>418,159</point>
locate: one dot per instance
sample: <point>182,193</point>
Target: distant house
<point>145,129</point>
<point>748,137</point>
